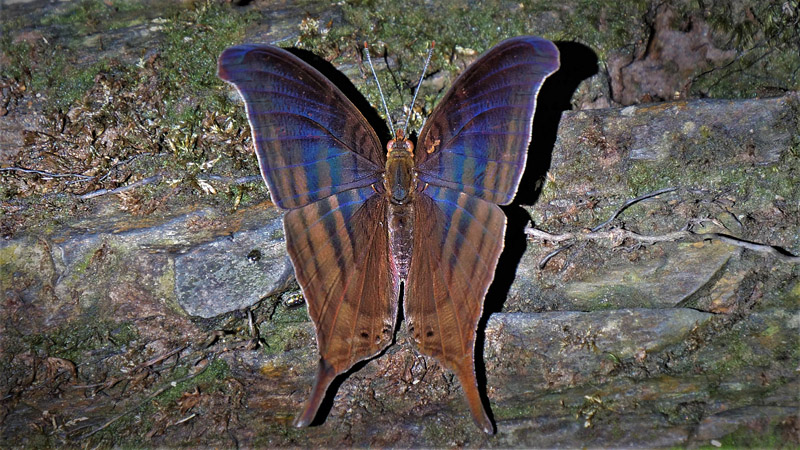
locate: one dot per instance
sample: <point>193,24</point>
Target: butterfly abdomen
<point>401,231</point>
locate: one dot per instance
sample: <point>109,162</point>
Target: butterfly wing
<point>477,137</point>
<point>452,266</point>
<point>310,140</point>
<point>320,158</point>
<point>339,246</point>
<point>471,155</point>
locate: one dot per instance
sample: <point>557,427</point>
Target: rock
<point>758,419</point>
<point>233,272</point>
<point>122,326</point>
<point>213,263</point>
<point>664,70</point>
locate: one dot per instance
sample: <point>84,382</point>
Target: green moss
<point>603,26</point>
<point>279,338</point>
<point>772,435</point>
<point>757,185</point>
<point>50,69</point>
<point>209,381</point>
<point>93,16</point>
<point>128,430</point>
<point>165,288</point>
<point>454,432</point>
<point>521,407</point>
<point>193,41</point>
<point>72,342</point>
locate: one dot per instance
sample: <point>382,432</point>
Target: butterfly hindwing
<point>470,157</point>
<point>476,139</point>
<point>311,141</point>
<point>339,246</point>
<point>453,263</point>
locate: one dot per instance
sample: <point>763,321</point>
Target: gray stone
<point>233,272</point>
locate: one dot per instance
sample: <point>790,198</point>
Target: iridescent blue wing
<point>477,138</point>
<point>311,141</point>
<point>320,159</point>
<point>470,157</point>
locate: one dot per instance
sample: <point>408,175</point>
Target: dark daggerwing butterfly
<point>360,220</point>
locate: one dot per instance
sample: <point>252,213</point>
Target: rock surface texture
<point>180,324</point>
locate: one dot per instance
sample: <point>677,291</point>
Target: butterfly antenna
<point>383,100</point>
<point>421,77</point>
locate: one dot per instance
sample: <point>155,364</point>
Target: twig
<point>551,255</point>
<point>231,180</point>
<point>625,206</point>
<point>158,177</point>
<point>631,202</point>
<point>46,174</point>
<point>121,189</point>
<point>80,177</point>
<point>619,234</point>
<point>185,419</point>
<point>122,163</point>
<point>160,358</point>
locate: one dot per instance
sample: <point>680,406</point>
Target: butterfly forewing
<point>476,139</point>
<point>310,140</point>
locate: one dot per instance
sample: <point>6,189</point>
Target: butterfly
<point>363,217</point>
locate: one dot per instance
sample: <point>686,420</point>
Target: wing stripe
<point>487,115</point>
<point>465,228</point>
<point>299,120</point>
<point>323,217</point>
<point>483,114</point>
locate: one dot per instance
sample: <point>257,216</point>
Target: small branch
<point>625,206</point>
<point>160,358</point>
<point>631,202</point>
<point>121,189</point>
<point>185,419</point>
<point>158,177</point>
<point>46,174</point>
<point>231,180</point>
<point>620,234</point>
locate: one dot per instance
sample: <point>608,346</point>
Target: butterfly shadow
<point>578,62</point>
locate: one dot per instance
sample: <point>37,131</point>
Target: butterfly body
<point>362,220</point>
<point>400,182</point>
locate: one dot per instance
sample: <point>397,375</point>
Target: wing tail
<point>339,247</point>
<point>325,375</point>
<point>466,376</point>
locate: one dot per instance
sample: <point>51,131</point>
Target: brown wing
<point>339,248</point>
<point>457,242</point>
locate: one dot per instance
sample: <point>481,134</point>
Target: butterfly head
<point>399,145</point>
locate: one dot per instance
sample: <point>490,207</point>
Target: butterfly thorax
<point>399,178</point>
<point>400,182</point>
